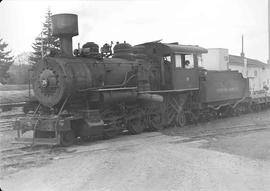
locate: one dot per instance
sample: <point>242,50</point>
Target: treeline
<point>6,60</point>
<point>19,74</point>
<point>16,70</point>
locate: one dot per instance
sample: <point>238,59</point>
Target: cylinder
<point>119,96</point>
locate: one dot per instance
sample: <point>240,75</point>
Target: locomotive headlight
<point>44,83</point>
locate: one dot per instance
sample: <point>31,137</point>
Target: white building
<point>257,71</point>
<point>216,59</point>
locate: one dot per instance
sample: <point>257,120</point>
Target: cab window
<point>189,61</point>
<point>167,58</point>
<point>184,61</point>
<point>178,60</point>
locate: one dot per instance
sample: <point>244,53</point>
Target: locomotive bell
<point>65,26</point>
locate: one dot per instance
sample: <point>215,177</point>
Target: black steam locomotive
<point>88,93</point>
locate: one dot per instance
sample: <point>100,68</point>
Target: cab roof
<point>168,48</point>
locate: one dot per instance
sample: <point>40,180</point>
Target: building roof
<point>238,60</point>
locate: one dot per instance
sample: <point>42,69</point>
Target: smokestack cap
<point>65,25</point>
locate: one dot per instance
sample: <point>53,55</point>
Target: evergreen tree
<point>45,40</point>
<point>5,61</point>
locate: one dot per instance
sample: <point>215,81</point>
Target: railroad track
<point>6,125</point>
<point>26,156</point>
<point>225,131</point>
<point>10,116</point>
<point>22,157</point>
<point>7,121</point>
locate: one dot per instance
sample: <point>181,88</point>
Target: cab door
<point>185,72</point>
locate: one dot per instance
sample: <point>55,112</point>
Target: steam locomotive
<point>87,93</point>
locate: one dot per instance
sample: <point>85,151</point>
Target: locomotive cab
<point>178,64</point>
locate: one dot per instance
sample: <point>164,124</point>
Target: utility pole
<point>242,53</point>
<point>268,31</point>
<point>244,59</point>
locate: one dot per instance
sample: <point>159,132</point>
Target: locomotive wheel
<point>203,117</point>
<point>259,107</point>
<point>212,115</point>
<point>67,138</point>
<point>192,117</point>
<point>181,120</point>
<point>249,108</point>
<point>135,126</point>
<point>174,109</point>
<point>26,109</point>
<point>155,122</point>
<point>170,114</point>
<point>228,111</point>
<point>110,133</point>
<point>255,107</point>
<point>239,110</point>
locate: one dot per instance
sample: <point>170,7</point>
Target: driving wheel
<point>135,126</point>
<point>181,119</point>
<point>67,138</point>
<point>155,122</point>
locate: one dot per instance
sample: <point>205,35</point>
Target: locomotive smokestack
<point>65,26</point>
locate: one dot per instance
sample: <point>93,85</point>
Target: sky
<point>207,23</point>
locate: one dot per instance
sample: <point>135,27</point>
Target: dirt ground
<point>15,93</point>
<point>14,87</point>
<point>227,154</point>
<point>14,96</point>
